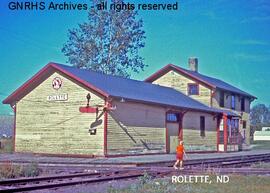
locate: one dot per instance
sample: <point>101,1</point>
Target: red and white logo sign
<point>57,83</point>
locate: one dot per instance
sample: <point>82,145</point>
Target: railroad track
<point>205,161</point>
<point>216,162</point>
<point>103,174</point>
<point>237,161</point>
<point>240,171</point>
<point>37,183</point>
<point>30,184</point>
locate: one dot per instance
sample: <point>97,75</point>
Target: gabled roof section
<point>209,82</point>
<point>114,86</point>
<point>39,77</point>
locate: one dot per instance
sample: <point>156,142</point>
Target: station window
<point>221,137</point>
<point>172,117</point>
<point>221,99</point>
<point>202,126</point>
<point>242,104</point>
<point>233,131</point>
<point>244,124</point>
<point>233,101</point>
<point>193,89</point>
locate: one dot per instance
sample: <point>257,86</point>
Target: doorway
<point>174,130</point>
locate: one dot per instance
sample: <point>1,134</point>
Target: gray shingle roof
<point>216,82</point>
<point>137,90</point>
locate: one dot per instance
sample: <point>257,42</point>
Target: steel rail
<point>24,184</point>
<point>18,188</point>
<point>45,178</point>
<point>252,158</point>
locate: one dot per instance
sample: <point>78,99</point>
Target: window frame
<point>243,104</point>
<point>189,89</point>
<point>233,128</point>
<point>222,99</point>
<point>244,122</point>
<point>233,101</point>
<point>177,115</point>
<point>202,126</point>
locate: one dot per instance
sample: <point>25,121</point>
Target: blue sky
<point>230,38</point>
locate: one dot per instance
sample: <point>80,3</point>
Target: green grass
<point>6,145</point>
<point>237,184</point>
<point>258,145</point>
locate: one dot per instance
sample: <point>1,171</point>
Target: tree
<point>259,117</point>
<point>109,42</point>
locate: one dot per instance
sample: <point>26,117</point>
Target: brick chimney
<point>193,64</point>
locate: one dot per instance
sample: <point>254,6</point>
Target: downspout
<point>218,131</point>
<point>166,135</point>
<point>105,145</point>
<point>225,118</point>
<point>13,106</point>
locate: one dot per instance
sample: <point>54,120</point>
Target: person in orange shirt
<point>180,152</point>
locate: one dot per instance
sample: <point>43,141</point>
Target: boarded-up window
<point>202,126</point>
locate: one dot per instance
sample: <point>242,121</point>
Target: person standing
<point>180,152</point>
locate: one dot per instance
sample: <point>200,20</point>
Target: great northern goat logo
<point>56,83</point>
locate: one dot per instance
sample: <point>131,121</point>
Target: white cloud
<point>251,57</point>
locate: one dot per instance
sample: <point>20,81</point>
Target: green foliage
<point>258,145</point>
<point>31,170</point>
<point>7,145</point>
<point>259,117</point>
<point>146,178</point>
<point>8,170</point>
<point>111,189</point>
<point>109,42</point>
<point>237,184</point>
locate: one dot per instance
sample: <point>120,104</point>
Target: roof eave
<point>247,95</point>
<point>157,74</point>
<point>167,105</point>
<point>169,67</point>
<point>103,93</point>
<point>15,96</point>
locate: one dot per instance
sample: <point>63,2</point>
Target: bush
<point>9,170</point>
<point>146,178</point>
<point>7,145</point>
<point>31,170</point>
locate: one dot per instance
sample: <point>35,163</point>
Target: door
<point>172,136</point>
<point>173,124</point>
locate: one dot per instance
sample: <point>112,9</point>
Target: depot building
<point>64,110</point>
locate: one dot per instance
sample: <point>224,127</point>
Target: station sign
<point>58,97</point>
